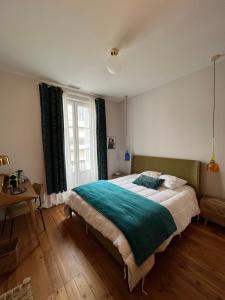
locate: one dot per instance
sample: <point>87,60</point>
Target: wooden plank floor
<point>72,265</point>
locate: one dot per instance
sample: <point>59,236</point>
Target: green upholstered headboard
<point>182,168</point>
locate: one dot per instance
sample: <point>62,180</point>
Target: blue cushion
<point>149,182</point>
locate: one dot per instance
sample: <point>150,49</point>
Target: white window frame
<point>80,177</point>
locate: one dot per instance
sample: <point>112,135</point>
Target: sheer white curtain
<point>80,140</point>
<point>80,145</point>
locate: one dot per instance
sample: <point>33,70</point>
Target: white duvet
<point>181,203</point>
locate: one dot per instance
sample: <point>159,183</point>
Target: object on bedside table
<point>118,174</point>
<point>213,209</point>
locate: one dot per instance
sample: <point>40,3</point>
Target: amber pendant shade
<point>212,166</point>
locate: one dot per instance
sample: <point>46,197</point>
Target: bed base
<point>108,245</point>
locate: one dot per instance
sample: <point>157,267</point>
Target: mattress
<point>181,202</point>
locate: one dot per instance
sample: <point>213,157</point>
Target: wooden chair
<point>22,209</point>
<point>39,191</point>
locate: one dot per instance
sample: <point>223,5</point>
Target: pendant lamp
<point>212,166</point>
<point>127,156</point>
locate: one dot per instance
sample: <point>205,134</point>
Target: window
<point>80,140</point>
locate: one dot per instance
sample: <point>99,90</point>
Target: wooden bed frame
<point>185,169</point>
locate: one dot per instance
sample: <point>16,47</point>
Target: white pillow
<point>172,182</point>
<point>151,173</point>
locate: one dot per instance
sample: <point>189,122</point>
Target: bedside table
<point>114,175</point>
<point>213,209</point>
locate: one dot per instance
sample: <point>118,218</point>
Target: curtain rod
<point>66,87</point>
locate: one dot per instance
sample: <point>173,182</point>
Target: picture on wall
<point>111,142</point>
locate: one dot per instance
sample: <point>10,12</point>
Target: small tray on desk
<point>18,191</point>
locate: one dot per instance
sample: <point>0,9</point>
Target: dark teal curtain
<point>101,138</point>
<point>53,137</point>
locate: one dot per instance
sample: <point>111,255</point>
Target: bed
<point>181,202</point>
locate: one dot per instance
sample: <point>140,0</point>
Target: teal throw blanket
<point>145,223</point>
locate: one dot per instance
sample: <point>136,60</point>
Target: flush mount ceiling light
<point>113,63</point>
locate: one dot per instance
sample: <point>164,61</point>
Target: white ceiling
<point>68,41</point>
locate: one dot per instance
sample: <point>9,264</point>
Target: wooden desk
<point>6,200</point>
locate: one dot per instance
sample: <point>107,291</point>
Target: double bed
<point>180,202</point>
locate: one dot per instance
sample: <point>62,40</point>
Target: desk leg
<point>34,221</point>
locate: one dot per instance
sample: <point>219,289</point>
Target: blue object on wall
<point>127,156</point>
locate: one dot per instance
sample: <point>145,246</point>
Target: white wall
<point>175,120</point>
<point>115,127</point>
<point>20,126</point>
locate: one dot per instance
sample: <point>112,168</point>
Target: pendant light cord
<point>126,119</point>
<point>214,101</point>
<point>126,116</point>
<point>214,97</point>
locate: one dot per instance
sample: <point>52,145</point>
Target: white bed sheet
<point>181,202</point>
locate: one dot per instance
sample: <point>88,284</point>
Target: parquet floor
<point>72,265</point>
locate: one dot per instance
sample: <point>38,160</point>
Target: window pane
<point>71,132</point>
<point>84,159</point>
<point>83,116</point>
<point>70,114</point>
<point>84,137</point>
<point>71,136</point>
<point>72,160</point>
